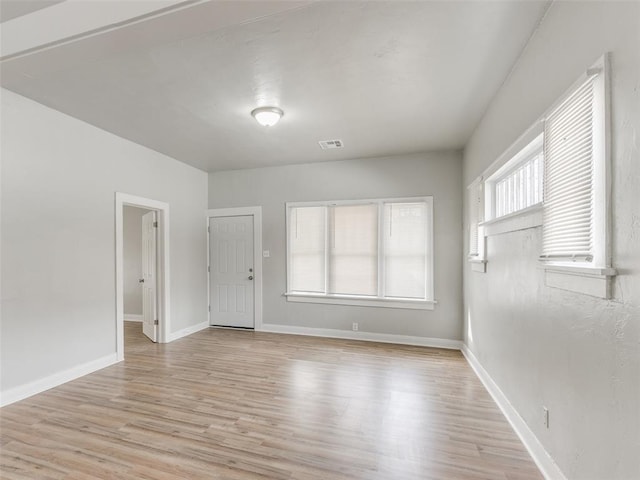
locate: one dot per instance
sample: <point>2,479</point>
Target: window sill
<point>592,281</point>
<point>528,218</point>
<point>478,265</point>
<point>361,302</point>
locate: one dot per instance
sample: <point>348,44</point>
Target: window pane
<point>520,189</point>
<point>405,244</point>
<point>306,247</point>
<point>353,253</point>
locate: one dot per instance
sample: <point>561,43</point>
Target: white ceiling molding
<point>70,20</point>
<point>10,9</point>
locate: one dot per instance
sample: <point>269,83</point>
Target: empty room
<point>304,240</point>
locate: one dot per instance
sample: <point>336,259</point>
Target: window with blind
<point>517,185</point>
<point>556,176</point>
<point>520,189</point>
<point>367,252</point>
<point>575,204</point>
<point>475,213</point>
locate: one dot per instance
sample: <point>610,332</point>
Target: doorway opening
<point>148,304</point>
<point>139,277</point>
<point>235,267</point>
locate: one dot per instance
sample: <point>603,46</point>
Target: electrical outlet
<point>545,416</point>
<point>354,326</point>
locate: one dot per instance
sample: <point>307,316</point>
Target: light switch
<point>266,253</point>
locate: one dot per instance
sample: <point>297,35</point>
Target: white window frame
<point>522,219</point>
<point>361,300</point>
<point>593,276</point>
<point>529,151</point>
<point>510,159</point>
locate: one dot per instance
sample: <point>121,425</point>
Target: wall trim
<point>540,456</point>
<point>188,331</point>
<point>364,336</point>
<point>131,317</point>
<point>29,389</point>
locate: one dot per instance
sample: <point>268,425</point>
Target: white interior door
<point>149,280</point>
<point>232,271</point>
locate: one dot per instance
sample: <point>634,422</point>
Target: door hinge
<point>209,307</point>
<point>155,224</point>
<point>209,229</point>
<point>208,269</point>
<point>156,322</point>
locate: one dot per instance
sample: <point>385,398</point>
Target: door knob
<point>141,280</point>
<point>250,277</point>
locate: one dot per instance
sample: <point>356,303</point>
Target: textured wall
<point>437,174</point>
<point>575,354</point>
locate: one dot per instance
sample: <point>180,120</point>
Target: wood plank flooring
<point>231,405</point>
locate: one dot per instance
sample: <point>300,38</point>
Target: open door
<point>149,280</point>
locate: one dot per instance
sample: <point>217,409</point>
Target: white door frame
<point>162,209</point>
<point>256,212</point>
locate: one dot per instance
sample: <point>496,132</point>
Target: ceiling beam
<point>71,20</point>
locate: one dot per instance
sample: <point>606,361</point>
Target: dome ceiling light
<point>267,116</point>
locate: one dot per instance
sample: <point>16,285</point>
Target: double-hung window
<point>369,252</point>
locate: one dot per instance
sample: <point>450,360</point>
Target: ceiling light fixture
<point>267,116</point>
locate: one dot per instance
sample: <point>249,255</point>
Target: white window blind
<point>307,249</point>
<point>353,251</point>
<point>475,218</point>
<point>568,178</point>
<point>377,249</point>
<point>405,249</point>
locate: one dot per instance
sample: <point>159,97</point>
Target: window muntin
<point>373,249</point>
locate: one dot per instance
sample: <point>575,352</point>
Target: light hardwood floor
<point>224,404</point>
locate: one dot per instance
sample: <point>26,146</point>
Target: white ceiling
<point>385,77</point>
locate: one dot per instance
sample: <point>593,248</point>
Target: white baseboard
<point>130,317</point>
<point>540,456</point>
<point>188,331</point>
<point>24,391</point>
<point>365,336</point>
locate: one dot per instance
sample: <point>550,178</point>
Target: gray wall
<point>132,259</point>
<point>576,354</point>
<point>437,174</point>
<point>59,178</point>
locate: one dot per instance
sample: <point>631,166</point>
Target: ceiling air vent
<point>327,144</point>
